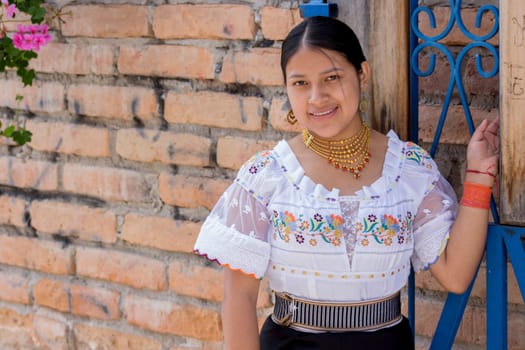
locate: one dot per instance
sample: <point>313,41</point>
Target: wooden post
<point>383,29</point>
<point>389,53</point>
<point>512,112</point>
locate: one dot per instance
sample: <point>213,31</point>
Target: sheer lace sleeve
<point>235,233</point>
<point>432,224</point>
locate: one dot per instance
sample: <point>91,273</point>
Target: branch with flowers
<point>18,49</point>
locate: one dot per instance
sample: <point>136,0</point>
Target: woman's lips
<point>324,114</point>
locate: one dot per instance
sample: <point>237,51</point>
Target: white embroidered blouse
<point>311,242</point>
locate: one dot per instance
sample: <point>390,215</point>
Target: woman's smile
<point>325,113</point>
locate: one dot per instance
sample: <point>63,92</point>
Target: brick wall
<point>141,114</point>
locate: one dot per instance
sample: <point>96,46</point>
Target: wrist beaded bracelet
<point>476,195</point>
<point>481,172</point>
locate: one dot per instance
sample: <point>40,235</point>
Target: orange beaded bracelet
<point>476,195</point>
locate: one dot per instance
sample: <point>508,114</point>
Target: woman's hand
<point>483,152</point>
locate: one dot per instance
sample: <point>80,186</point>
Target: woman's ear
<point>364,74</point>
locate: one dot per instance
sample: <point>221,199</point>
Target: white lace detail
<point>432,224</point>
<point>349,209</point>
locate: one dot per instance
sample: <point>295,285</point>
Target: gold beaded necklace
<point>350,154</point>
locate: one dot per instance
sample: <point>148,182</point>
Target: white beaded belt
<point>320,316</point>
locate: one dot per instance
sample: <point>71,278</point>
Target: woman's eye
<point>332,77</point>
<point>299,83</point>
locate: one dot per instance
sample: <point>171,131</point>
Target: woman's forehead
<point>316,60</point>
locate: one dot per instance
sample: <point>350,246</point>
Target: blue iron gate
<point>504,243</point>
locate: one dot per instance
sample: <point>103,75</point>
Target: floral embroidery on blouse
<point>259,161</point>
<point>418,155</point>
<point>318,228</point>
<point>385,230</point>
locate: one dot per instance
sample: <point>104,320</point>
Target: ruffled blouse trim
<point>390,174</point>
<point>444,243</point>
<point>232,249</point>
<point>228,266</point>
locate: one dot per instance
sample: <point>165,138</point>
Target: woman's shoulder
<point>410,155</point>
<point>260,162</point>
<point>261,167</point>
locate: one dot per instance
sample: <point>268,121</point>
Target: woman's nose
<point>317,94</point>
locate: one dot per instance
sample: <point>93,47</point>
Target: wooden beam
<point>382,28</point>
<point>512,112</point>
<point>389,61</point>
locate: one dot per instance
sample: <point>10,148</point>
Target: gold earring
<point>363,104</point>
<point>290,117</point>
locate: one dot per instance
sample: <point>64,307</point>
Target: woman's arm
<point>457,264</point>
<point>239,318</point>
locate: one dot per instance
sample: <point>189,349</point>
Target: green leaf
<point>22,136</point>
<point>9,131</point>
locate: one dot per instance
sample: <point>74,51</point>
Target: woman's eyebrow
<point>330,70</point>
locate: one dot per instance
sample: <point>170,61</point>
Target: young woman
<point>335,216</point>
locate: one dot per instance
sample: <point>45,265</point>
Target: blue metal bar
<point>414,137</point>
<point>318,8</point>
<point>514,238</point>
<point>455,304</point>
<point>450,319</point>
<point>496,290</point>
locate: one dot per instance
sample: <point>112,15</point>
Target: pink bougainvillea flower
<point>10,9</point>
<point>31,37</point>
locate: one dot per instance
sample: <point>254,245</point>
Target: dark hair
<point>324,33</point>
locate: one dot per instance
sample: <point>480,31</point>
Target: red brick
<point>425,280</point>
<point>77,221</point>
<point>472,329</point>
<point>191,191</point>
<point>52,294</point>
<point>35,254</point>
<point>259,66</point>
<point>50,333</point>
<point>232,152</point>
<point>79,140</point>
<point>95,302</point>
<point>165,147</point>
<point>75,59</point>
<point>277,22</point>
<point>215,109</point>
<point>124,268</point>
<point>204,22</point>
<point>160,233</point>
<point>196,281</point>
<point>474,84</point>
<point>28,174</point>
<point>455,130</point>
<point>12,211</point>
<point>456,37</point>
<point>14,287</point>
<point>106,21</point>
<point>92,337</point>
<point>206,283</point>
<point>278,111</point>
<point>167,61</point>
<point>15,330</point>
<point>107,183</point>
<point>125,103</point>
<point>167,317</point>
<point>435,84</point>
<point>39,97</point>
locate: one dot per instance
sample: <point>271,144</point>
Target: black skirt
<point>275,337</point>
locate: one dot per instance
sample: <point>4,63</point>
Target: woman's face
<point>324,91</point>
